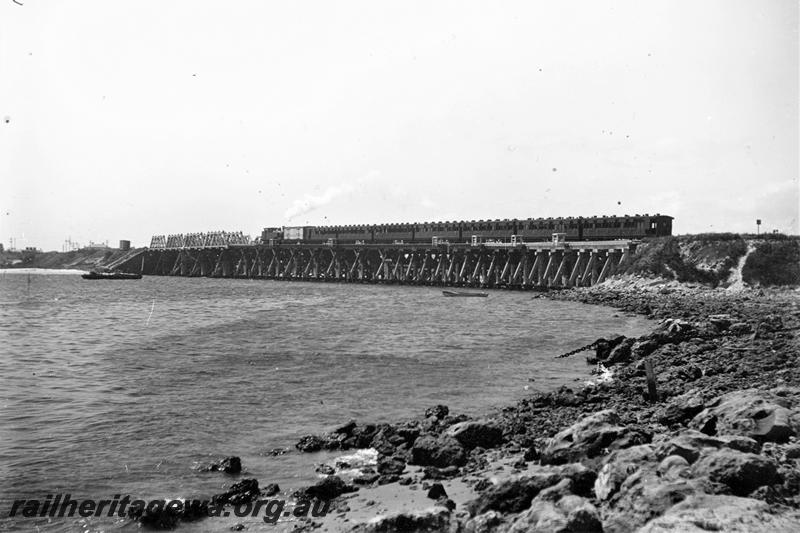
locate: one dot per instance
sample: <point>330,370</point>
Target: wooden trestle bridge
<point>488,265</point>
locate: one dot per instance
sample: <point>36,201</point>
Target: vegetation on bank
<point>711,259</point>
<point>773,263</point>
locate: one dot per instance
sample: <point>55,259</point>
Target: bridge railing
<point>211,239</point>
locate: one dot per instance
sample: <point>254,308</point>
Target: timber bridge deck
<point>488,265</point>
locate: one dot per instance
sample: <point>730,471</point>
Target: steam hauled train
<point>513,230</point>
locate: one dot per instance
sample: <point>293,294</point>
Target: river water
<point>123,387</point>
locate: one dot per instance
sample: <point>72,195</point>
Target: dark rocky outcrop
<point>326,489</point>
<point>242,492</point>
<point>476,433</point>
<point>229,465</point>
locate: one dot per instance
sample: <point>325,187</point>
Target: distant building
<point>124,245</point>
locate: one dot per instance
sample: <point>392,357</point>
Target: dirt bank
<point>86,259</point>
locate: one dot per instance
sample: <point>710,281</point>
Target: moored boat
<point>466,294</point>
<point>111,275</point>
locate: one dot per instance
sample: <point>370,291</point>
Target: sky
<point>122,120</point>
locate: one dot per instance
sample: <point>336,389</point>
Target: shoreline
<point>561,460</point>
<point>718,446</point>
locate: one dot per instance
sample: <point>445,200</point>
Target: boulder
<point>515,494</point>
<point>245,491</point>
<point>512,495</point>
<point>749,412</point>
<point>618,466</point>
<point>568,514</point>
<point>590,437</point>
<point>229,465</point>
<point>690,444</point>
<point>488,522</point>
<point>621,353</point>
<point>702,513</point>
<point>391,465</point>
<point>682,408</point>
<point>310,443</point>
<point>603,347</point>
<point>742,473</point>
<point>437,411</point>
<point>437,491</point>
<point>326,489</point>
<point>673,467</point>
<point>441,452</point>
<point>431,520</point>
<point>643,348</point>
<point>476,433</point>
<point>643,496</point>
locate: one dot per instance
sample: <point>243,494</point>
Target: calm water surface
<point>121,387</point>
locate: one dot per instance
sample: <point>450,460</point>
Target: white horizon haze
<point>121,120</point>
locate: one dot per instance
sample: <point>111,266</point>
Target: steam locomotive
<point>508,230</point>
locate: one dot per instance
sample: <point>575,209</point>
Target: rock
<point>621,353</point>
<point>326,470</point>
<point>438,412</point>
<point>433,520</point>
<point>566,515</point>
<point>385,479</point>
<point>366,479</point>
<point>590,437</point>
<point>618,466</point>
<point>346,428</point>
<point>274,452</point>
<point>309,443</point>
<point>440,452</point>
<point>748,412</point>
<point>271,490</point>
<point>793,451</point>
<point>689,372</point>
<point>391,465</point>
<point>702,513</point>
<point>681,408</point>
<point>229,465</point>
<point>245,491</point>
<point>437,491</point>
<point>431,472</point>
<point>532,454</point>
<point>603,347</point>
<point>690,444</point>
<point>721,322</point>
<point>513,495</point>
<point>741,472</point>
<point>361,436</point>
<point>156,517</point>
<point>672,467</point>
<point>642,349</point>
<point>488,522</point>
<point>740,328</point>
<point>327,489</point>
<point>643,496</point>
<point>384,441</point>
<point>476,433</point>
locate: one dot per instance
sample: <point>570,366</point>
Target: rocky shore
<point>713,448</point>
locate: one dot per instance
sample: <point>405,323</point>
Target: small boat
<point>111,275</point>
<point>466,294</point>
